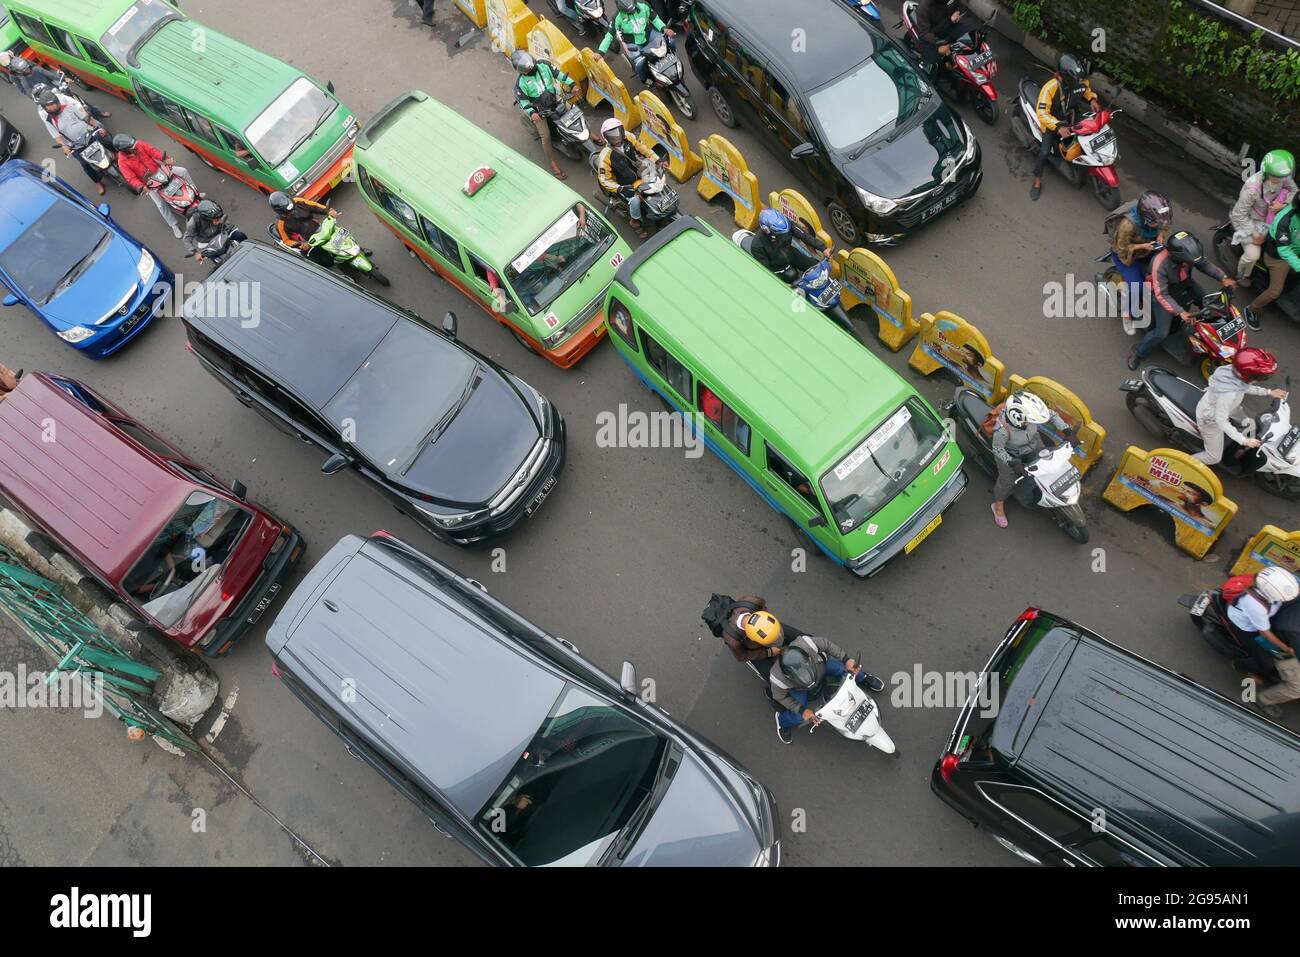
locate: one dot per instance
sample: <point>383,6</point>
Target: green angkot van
<point>821,428</point>
<point>479,214</point>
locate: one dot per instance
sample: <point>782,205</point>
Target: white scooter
<point>1165,405</point>
<point>854,714</point>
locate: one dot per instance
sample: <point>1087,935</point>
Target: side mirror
<point>803,151</point>
<point>103,209</point>
<point>240,489</point>
<point>817,520</point>
<point>330,86</point>
<point>11,300</point>
<point>335,463</point>
<point>511,306</point>
<point>449,324</point>
<point>627,680</point>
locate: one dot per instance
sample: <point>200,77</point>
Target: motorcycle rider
<point>1172,290</point>
<point>1228,385</point>
<point>632,25</point>
<point>619,168</point>
<point>804,664</point>
<point>298,222</point>
<point>938,24</point>
<point>1263,195</point>
<point>773,245</point>
<point>205,228</point>
<point>137,161</point>
<point>28,76</point>
<point>1058,105</point>
<point>1017,439</point>
<point>1281,256</point>
<point>541,87</point>
<point>1252,615</point>
<point>69,123</point>
<point>1133,242</point>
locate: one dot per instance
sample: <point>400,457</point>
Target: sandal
<point>999,519</point>
<point>559,173</point>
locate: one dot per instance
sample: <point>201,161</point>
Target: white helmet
<point>1025,408</point>
<point>1276,584</point>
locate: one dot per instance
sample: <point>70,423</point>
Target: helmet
<point>38,89</point>
<point>799,666</point>
<point>773,223</point>
<point>48,98</point>
<point>1185,247</point>
<point>626,6</point>
<point>1278,163</point>
<point>208,209</point>
<point>280,202</point>
<point>21,66</point>
<point>1276,584</point>
<point>1070,67</point>
<point>123,142</point>
<point>1025,408</point>
<point>609,127</point>
<point>523,62</point>
<point>762,628</point>
<point>1153,210</point>
<point>1251,363</point>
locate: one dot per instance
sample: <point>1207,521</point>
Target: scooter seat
<point>972,406</point>
<point>1178,391</point>
<point>1029,90</point>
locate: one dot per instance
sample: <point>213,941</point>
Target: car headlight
<point>76,334</point>
<point>971,145</point>
<point>880,205</point>
<point>453,520</point>
<point>145,266</point>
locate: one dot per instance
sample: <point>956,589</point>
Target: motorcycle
<point>665,70</point>
<point>333,245</point>
<point>11,141</point>
<point>1051,482</point>
<point>864,8</point>
<point>974,65</point>
<point>174,190</point>
<point>1089,152</point>
<point>674,13</point>
<point>569,130</point>
<point>93,151</point>
<point>1165,406</point>
<point>659,201</point>
<point>222,241</point>
<point>588,16</point>
<point>845,706</point>
<point>1209,614</point>
<point>816,284</point>
<point>1229,255</point>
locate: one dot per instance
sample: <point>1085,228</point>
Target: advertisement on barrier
<point>476,10</point>
<point>546,42</point>
<point>1269,546</point>
<point>796,208</point>
<point>1181,487</point>
<point>949,342</point>
<point>868,281</point>
<point>1070,407</point>
<point>725,171</point>
<point>508,23</point>
<point>603,84</point>
<point>660,131</point>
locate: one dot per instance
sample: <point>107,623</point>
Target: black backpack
<point>718,612</point>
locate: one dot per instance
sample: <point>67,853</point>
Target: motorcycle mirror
<point>330,86</point>
<point>803,151</point>
<point>449,324</point>
<point>627,678</point>
<point>239,488</point>
<point>11,300</point>
<point>103,209</point>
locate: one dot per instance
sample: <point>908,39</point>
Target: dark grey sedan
<point>504,735</point>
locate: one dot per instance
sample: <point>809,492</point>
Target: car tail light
<point>189,346</point>
<point>382,533</point>
<point>275,669</point>
<point>948,765</point>
<point>1029,614</point>
<point>227,595</point>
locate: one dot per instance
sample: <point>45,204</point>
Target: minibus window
<point>674,373</point>
<point>164,107</point>
<point>559,257</point>
<point>201,127</point>
<point>65,40</point>
<point>98,56</point>
<point>239,148</point>
<point>724,418</point>
<point>290,120</point>
<point>792,477</point>
<point>403,211</point>
<point>32,27</point>
<point>620,320</point>
<point>141,20</point>
<point>441,241</point>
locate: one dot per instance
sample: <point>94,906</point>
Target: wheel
<point>1107,195</point>
<point>566,147</point>
<point>726,115</point>
<point>685,102</point>
<point>378,277</point>
<point>528,346</point>
<point>1208,366</point>
<point>593,161</point>
<point>1283,486</point>
<point>1020,127</point>
<point>843,225</point>
<point>1077,532</point>
<point>805,537</point>
<point>1153,420</point>
<point>987,110</point>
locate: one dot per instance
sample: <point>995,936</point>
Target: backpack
<point>1235,587</point>
<point>717,613</point>
<point>1110,225</point>
<point>990,423</point>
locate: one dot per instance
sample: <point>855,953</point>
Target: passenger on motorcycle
<point>632,25</point>
<point>1281,256</point>
<point>1252,615</point>
<point>1133,238</point>
<point>540,88</point>
<point>1060,101</point>
<point>137,161</point>
<point>619,168</point>
<point>1223,394</point>
<point>204,232</point>
<point>29,77</point>
<point>1017,439</point>
<point>298,222</point>
<point>1264,194</point>
<point>805,663</point>
<point>70,124</point>
<point>1172,290</point>
<point>773,245</point>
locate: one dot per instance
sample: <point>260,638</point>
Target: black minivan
<point>456,442</point>
<point>842,105</point>
<point>1094,757</point>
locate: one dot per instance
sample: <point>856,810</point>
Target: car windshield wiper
<point>440,426</point>
<point>632,829</point>
<point>76,270</point>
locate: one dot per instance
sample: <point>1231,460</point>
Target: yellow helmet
<point>762,628</point>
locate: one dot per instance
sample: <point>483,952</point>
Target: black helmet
<point>38,89</point>
<point>123,142</point>
<point>1070,67</point>
<point>208,209</point>
<point>799,667</point>
<point>1185,247</point>
<point>1153,210</point>
<point>280,202</point>
<point>523,62</point>
<point>49,98</point>
<point>20,66</point>
<point>626,6</point>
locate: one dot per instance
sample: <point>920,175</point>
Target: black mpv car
<point>847,111</point>
<point>457,443</point>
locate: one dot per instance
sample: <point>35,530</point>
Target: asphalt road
<point>624,555</point>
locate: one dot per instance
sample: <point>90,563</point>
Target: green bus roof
<point>90,17</point>
<point>799,374</point>
<point>428,150</point>
<point>234,82</point>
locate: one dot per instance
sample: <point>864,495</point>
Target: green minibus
<point>239,110</point>
<point>821,428</point>
<point>519,243</point>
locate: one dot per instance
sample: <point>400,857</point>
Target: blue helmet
<point>773,223</point>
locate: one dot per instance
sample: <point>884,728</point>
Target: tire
<point>805,538</point>
<point>1072,521</point>
<point>842,224</point>
<point>1021,128</point>
<point>1149,418</point>
<point>593,162</point>
<point>379,277</point>
<point>1107,195</point>
<point>528,346</point>
<point>722,108</point>
<point>987,110</point>
<point>684,101</point>
<point>1283,486</point>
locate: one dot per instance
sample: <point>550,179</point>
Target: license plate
<point>1067,480</point>
<point>1289,442</point>
<point>857,717</point>
<point>940,206</point>
<point>131,323</point>
<point>265,603</point>
<point>1201,604</point>
<point>934,523</point>
<point>980,59</point>
<point>1103,139</point>
<point>541,496</point>
<point>1231,328</point>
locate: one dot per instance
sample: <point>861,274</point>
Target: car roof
<point>313,329</point>
<point>1168,759</point>
<point>93,16</point>
<point>435,684</point>
<point>93,489</point>
<point>818,390</point>
<point>426,151</point>
<point>23,199</point>
<point>835,38</point>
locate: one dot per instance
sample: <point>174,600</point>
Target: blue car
<point>68,262</point>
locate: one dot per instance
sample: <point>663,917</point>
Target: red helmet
<point>1252,363</point>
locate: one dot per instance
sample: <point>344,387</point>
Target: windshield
<point>576,785</point>
<point>186,557</point>
<point>559,257</point>
<point>53,251</point>
<point>291,118</point>
<point>141,19</point>
<point>883,465</point>
<point>880,94</point>
<point>403,396</point>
